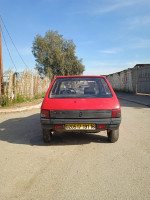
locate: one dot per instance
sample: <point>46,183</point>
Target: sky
<point>110,35</point>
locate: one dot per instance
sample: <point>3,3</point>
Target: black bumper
<point>110,123</point>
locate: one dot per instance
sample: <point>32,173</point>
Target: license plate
<point>80,126</point>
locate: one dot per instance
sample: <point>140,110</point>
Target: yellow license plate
<point>80,126</point>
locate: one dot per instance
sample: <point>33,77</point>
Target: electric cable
<point>13,43</point>
<point>8,49</point>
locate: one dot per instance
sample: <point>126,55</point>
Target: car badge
<point>80,114</point>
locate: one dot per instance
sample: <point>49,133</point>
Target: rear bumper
<point>110,123</point>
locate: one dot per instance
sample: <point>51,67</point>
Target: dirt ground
<point>75,166</point>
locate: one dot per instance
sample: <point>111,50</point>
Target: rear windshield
<point>80,87</point>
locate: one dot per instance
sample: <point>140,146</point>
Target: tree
<point>55,55</point>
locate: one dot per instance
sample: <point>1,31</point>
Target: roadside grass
<point>5,101</point>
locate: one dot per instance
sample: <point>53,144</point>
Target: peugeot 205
<point>80,104</point>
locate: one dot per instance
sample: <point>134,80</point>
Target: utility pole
<point>1,64</point>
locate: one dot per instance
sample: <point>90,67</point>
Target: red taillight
<point>116,113</point>
<point>101,126</point>
<point>45,114</point>
<point>58,126</point>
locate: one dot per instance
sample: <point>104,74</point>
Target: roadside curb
<point>133,101</point>
<point>19,109</point>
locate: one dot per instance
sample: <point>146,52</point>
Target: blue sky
<point>110,35</point>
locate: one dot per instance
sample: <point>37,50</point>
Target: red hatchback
<point>80,104</point>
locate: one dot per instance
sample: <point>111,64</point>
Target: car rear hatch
<point>81,108</point>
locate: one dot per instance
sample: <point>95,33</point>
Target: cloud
<point>111,6</point>
<point>87,42</point>
<point>131,44</point>
<point>111,51</point>
<point>132,63</point>
<point>138,22</point>
<point>25,51</point>
<point>139,43</point>
<point>102,68</point>
<point>108,51</point>
<point>101,7</point>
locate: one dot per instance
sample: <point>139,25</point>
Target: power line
<point>14,44</point>
<point>8,50</point>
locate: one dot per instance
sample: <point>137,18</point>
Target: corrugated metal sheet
<point>143,79</point>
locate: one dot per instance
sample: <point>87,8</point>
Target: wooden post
<point>1,64</point>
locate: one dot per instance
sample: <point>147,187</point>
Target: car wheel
<point>113,135</point>
<point>47,136</point>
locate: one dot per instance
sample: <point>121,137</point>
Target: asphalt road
<point>75,166</point>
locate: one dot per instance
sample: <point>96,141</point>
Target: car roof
<point>79,76</point>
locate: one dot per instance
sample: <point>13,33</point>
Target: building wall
<point>133,80</point>
<point>121,81</point>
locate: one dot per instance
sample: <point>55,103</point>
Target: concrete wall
<point>133,80</point>
<point>121,81</point>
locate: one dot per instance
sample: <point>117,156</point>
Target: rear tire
<point>47,136</point>
<point>113,135</point>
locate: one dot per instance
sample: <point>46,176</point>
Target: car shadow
<point>27,130</point>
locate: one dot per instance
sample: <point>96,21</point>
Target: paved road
<point>75,166</point>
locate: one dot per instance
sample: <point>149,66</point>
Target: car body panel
<point>80,104</point>
<point>80,110</point>
<point>83,103</point>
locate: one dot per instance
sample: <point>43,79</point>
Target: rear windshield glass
<point>80,87</point>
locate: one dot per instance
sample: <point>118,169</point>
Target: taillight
<point>45,114</point>
<point>116,113</point>
<point>58,126</point>
<point>101,126</point>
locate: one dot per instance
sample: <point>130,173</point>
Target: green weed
<point>5,101</point>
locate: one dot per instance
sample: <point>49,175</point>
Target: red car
<point>80,104</point>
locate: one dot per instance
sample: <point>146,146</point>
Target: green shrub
<point>38,96</point>
<point>19,99</point>
<point>5,101</point>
